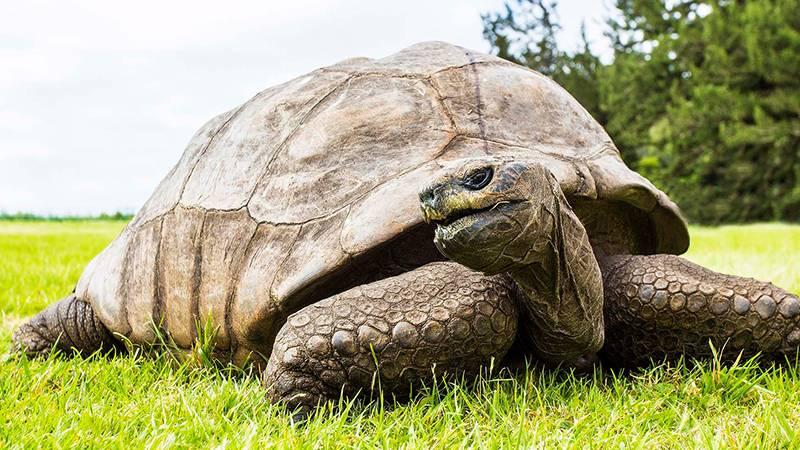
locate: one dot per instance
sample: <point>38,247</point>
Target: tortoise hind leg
<point>662,306</point>
<point>391,334</point>
<point>69,326</point>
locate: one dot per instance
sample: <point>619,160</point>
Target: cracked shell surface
<point>273,197</point>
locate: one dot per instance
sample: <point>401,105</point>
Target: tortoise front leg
<point>391,334</point>
<point>663,306</point>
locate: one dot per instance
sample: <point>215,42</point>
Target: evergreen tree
<point>731,141</point>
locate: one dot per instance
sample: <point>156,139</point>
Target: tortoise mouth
<point>479,238</point>
<point>457,219</point>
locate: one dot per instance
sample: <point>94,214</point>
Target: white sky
<point>99,98</point>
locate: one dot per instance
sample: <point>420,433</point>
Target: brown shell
<point>272,197</point>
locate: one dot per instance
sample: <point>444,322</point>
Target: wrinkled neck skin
<point>560,287</point>
<point>605,259</point>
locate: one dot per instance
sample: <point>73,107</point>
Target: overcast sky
<point>99,98</point>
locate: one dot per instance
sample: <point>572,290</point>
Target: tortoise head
<point>487,212</point>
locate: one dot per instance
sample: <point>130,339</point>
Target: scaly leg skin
<point>662,306</point>
<point>69,326</point>
<point>390,334</point>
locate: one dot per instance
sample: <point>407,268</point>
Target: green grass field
<point>152,402</point>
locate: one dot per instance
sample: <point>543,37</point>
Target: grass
<point>138,401</point>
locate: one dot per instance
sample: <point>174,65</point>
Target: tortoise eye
<point>478,179</point>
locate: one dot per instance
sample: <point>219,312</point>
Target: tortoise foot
<point>68,326</point>
<point>392,335</point>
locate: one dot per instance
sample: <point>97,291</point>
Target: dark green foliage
<point>739,117</point>
<point>701,97</point>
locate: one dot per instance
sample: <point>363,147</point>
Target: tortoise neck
<point>561,293</point>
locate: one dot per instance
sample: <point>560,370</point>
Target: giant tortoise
<point>375,219</point>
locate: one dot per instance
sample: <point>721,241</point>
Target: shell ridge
<point>440,99</point>
<point>158,303</point>
<point>235,277</point>
<point>489,63</point>
<point>341,230</point>
<point>594,155</point>
<point>198,273</point>
<point>281,266</point>
<point>478,102</point>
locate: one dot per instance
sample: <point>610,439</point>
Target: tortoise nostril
<point>426,197</point>
<point>478,179</point>
<point>432,195</point>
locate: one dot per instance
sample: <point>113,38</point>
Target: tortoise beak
<point>431,204</point>
<point>430,215</point>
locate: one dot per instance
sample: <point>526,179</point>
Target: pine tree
<point>731,144</point>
